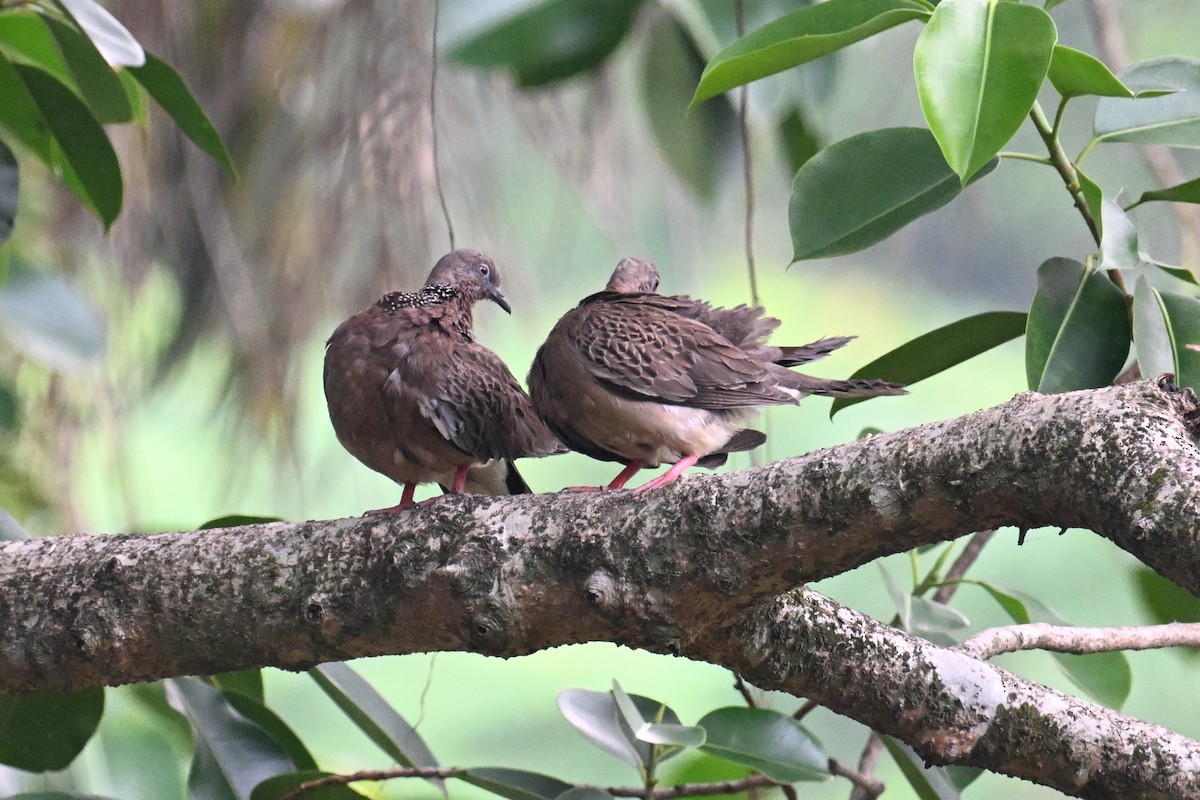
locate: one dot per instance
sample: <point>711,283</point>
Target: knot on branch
<point>601,590</point>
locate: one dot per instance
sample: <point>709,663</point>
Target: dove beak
<point>496,296</point>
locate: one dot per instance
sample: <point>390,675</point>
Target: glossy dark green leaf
<point>585,793</point>
<point>861,190</point>
<point>281,785</point>
<point>110,37</point>
<point>1075,73</point>
<point>1164,324</point>
<point>1173,119</point>
<point>20,117</point>
<point>1093,198</point>
<point>9,184</point>
<point>99,86</point>
<point>767,741</point>
<point>50,320</point>
<point>231,755</point>
<point>800,142</point>
<point>1164,600</point>
<point>647,726</point>
<point>236,520</point>
<point>597,716</point>
<point>25,38</point>
<point>374,716</point>
<point>979,66</point>
<point>1106,677</point>
<point>515,784</point>
<point>1179,273</point>
<point>1186,192</point>
<point>930,783</point>
<point>940,349</point>
<point>168,90</point>
<point>82,139</point>
<point>801,36</point>
<point>42,731</point>
<point>550,40</point>
<point>1078,332</point>
<point>238,689</point>
<point>693,144</point>
<point>247,682</point>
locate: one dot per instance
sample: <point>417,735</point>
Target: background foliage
<point>167,374</point>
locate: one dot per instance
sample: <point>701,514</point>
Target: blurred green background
<point>192,389</point>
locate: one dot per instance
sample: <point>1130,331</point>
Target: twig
<point>866,766</point>
<point>747,165</point>
<point>744,690</point>
<point>437,169</point>
<point>872,787</point>
<point>370,775</point>
<point>1070,177</point>
<point>803,710</point>
<point>1064,639</point>
<point>960,566</point>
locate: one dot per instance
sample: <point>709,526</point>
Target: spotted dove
<point>643,379</point>
<point>414,397</point>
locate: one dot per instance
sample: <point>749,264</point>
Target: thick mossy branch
<point>687,569</point>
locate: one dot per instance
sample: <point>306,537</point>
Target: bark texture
<point>693,569</point>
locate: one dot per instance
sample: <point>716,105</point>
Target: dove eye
<point>484,270</point>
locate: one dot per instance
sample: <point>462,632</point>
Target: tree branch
<point>1064,639</point>
<point>692,569</point>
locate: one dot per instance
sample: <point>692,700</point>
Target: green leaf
<point>901,598</point>
<point>99,86</point>
<point>25,38</point>
<point>247,682</point>
<point>9,183</point>
<point>800,142</point>
<point>111,38</point>
<point>692,143</point>
<point>940,349</point>
<point>42,731</point>
<point>82,139</point>
<point>236,520</point>
<point>767,741</point>
<point>168,90</point>
<point>1093,198</point>
<point>1179,273</point>
<point>937,622</point>
<point>50,320</point>
<point>374,716</point>
<point>20,116</point>
<point>861,190</point>
<point>1173,119</point>
<point>1187,192</point>
<point>281,785</point>
<point>652,730</point>
<point>979,66</point>
<point>551,40</point>
<point>515,784</point>
<point>1106,677</point>
<point>244,693</point>
<point>232,755</point>
<point>598,717</point>
<point>1076,73</point>
<point>10,408</point>
<point>585,793</point>
<point>930,783</point>
<point>1119,242</point>
<point>1164,324</point>
<point>1164,600</point>
<point>801,36</point>
<point>1078,332</point>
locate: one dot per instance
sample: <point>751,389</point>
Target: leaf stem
<point>1019,156</point>
<point>1058,117</point>
<point>1059,160</point>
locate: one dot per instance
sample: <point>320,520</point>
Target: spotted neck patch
<point>426,296</point>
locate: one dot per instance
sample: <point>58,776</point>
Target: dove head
<point>633,275</point>
<point>472,274</point>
